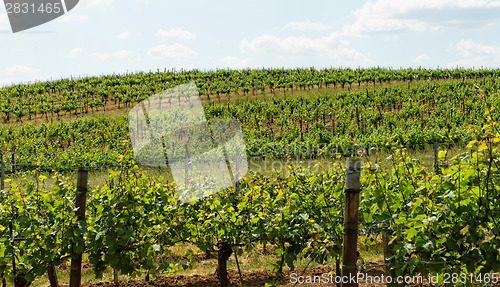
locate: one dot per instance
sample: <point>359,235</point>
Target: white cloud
<point>469,48</point>
<point>19,74</point>
<point>120,55</point>
<point>422,59</point>
<point>292,44</point>
<point>175,33</point>
<point>474,54</point>
<point>235,62</point>
<point>123,35</point>
<point>422,15</point>
<point>307,26</point>
<point>328,46</point>
<point>74,52</point>
<point>171,51</point>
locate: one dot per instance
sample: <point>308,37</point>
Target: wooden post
<point>186,167</point>
<point>436,159</point>
<point>387,254</point>
<point>13,161</point>
<point>11,232</point>
<point>239,269</point>
<point>350,242</point>
<point>115,277</point>
<point>111,186</point>
<point>338,272</point>
<point>357,117</point>
<point>237,186</point>
<point>2,175</point>
<point>333,125</point>
<point>80,201</point>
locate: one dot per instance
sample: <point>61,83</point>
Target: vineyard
<point>438,221</point>
<point>303,121</point>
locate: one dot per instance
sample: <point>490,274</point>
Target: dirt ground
<point>253,279</point>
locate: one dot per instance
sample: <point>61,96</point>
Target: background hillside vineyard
<point>304,123</point>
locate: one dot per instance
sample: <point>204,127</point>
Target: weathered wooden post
<point>12,242</point>
<point>389,272</point>
<point>186,167</point>
<point>436,159</point>
<point>80,202</point>
<point>111,186</point>
<point>2,174</point>
<point>13,161</point>
<point>350,241</point>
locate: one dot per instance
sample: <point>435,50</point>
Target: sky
<point>102,37</point>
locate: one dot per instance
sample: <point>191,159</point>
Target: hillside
<point>301,113</point>
<point>441,219</point>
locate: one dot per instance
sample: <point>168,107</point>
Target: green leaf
<point>410,233</point>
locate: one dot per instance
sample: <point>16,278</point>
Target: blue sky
<point>110,36</point>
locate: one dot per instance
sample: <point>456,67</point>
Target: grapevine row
<point>298,126</point>
<point>449,220</point>
<point>77,96</point>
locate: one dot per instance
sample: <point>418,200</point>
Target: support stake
<point>436,159</point>
<point>81,198</point>
<point>389,272</point>
<point>350,241</point>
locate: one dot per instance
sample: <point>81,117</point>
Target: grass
<point>267,167</point>
<point>257,260</point>
<point>382,159</point>
<point>88,277</point>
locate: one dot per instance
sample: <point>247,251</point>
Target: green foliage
<point>439,223</point>
<point>41,224</point>
<point>291,125</point>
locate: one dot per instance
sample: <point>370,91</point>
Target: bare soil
<point>251,279</point>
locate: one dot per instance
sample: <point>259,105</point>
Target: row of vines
<point>313,125</point>
<point>450,219</point>
<point>76,96</point>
